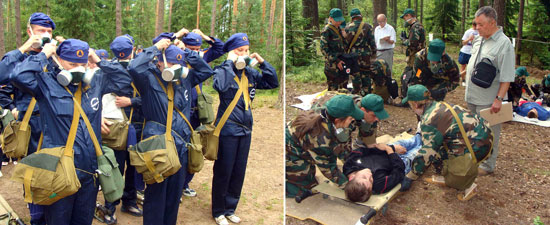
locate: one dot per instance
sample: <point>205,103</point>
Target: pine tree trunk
<point>235,14</point>
<point>379,7</point>
<point>310,11</point>
<point>421,11</point>
<point>170,16</point>
<point>467,8</point>
<point>409,4</point>
<point>160,17</point>
<point>520,31</point>
<point>394,12</point>
<point>118,22</point>
<point>198,12</point>
<point>92,33</point>
<point>213,20</point>
<point>17,23</point>
<point>47,2</point>
<point>481,3</point>
<point>500,7</point>
<point>271,20</point>
<point>463,20</point>
<point>2,44</point>
<point>262,33</point>
<point>416,7</point>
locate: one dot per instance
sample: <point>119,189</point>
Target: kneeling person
<point>444,144</point>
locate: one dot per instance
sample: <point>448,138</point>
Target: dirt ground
<point>262,197</point>
<point>515,194</point>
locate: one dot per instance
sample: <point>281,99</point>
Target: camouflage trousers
<point>300,175</point>
<point>410,60</point>
<point>335,81</point>
<point>362,83</point>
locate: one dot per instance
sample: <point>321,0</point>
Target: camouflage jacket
<point>322,150</point>
<point>366,132</point>
<point>446,78</point>
<point>417,38</point>
<point>381,72</point>
<point>332,44</point>
<point>517,87</point>
<point>365,44</point>
<point>442,138</point>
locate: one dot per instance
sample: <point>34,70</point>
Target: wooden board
<point>504,115</point>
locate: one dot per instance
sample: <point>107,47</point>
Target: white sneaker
<point>233,218</point>
<point>14,162</point>
<point>1,174</point>
<point>463,84</point>
<point>5,163</point>
<point>221,220</point>
<point>189,192</point>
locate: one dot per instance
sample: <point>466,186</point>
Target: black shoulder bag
<point>484,72</point>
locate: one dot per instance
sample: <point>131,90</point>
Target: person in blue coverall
<point>56,110</point>
<point>162,199</point>
<point>39,25</point>
<point>122,47</point>
<point>533,110</point>
<point>235,136</point>
<point>193,42</point>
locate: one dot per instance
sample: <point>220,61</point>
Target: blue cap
<point>164,36</point>
<point>173,55</point>
<point>73,50</point>
<point>192,39</point>
<point>235,41</point>
<point>42,20</point>
<point>122,46</point>
<point>102,53</point>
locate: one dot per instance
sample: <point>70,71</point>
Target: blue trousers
<point>77,209</point>
<point>412,145</point>
<point>129,196</point>
<point>138,178</point>
<point>162,200</point>
<point>229,171</point>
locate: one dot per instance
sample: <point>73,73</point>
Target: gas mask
<point>406,23</point>
<point>243,61</point>
<point>72,76</point>
<point>173,73</point>
<point>436,67</point>
<point>342,134</point>
<point>46,38</point>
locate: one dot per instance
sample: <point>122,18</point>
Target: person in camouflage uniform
<point>381,74</point>
<point>444,145</point>
<point>515,91</point>
<point>364,47</point>
<point>311,140</point>
<point>416,39</point>
<point>332,47</point>
<point>542,90</point>
<point>436,70</point>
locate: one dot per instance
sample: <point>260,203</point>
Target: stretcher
<point>7,215</point>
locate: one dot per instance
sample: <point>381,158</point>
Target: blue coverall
<point>162,199</point>
<point>235,136</point>
<point>56,109</point>
<point>22,100</point>
<point>210,54</point>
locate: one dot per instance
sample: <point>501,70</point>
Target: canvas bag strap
<point>229,109</point>
<point>463,132</point>
<point>243,84</point>
<point>333,28</point>
<point>187,121</point>
<point>78,110</point>
<point>25,123</point>
<point>170,95</point>
<point>74,123</point>
<point>359,31</point>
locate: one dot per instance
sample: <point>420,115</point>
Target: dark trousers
<point>162,200</point>
<point>77,209</point>
<point>129,196</point>
<point>229,171</point>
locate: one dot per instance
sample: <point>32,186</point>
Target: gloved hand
<point>405,184</point>
<point>438,94</point>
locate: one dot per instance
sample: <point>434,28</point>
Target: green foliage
<point>536,27</point>
<point>537,221</point>
<point>443,18</point>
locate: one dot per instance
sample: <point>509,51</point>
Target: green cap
<point>436,49</point>
<point>408,11</point>
<point>375,103</point>
<point>522,71</point>
<point>337,15</point>
<point>354,12</point>
<point>341,106</point>
<point>416,92</point>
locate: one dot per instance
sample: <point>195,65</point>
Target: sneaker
<point>463,84</point>
<point>133,210</point>
<point>233,218</point>
<point>14,162</point>
<point>110,219</point>
<point>221,220</point>
<point>1,174</point>
<point>140,197</point>
<point>189,192</point>
<point>5,163</point>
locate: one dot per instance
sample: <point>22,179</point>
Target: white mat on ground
<point>307,100</point>
<point>524,119</point>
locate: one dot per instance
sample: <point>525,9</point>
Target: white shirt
<point>467,48</point>
<point>381,32</point>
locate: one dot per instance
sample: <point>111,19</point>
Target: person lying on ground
<point>378,170</point>
<point>533,110</point>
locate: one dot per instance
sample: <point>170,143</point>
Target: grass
<point>539,172</point>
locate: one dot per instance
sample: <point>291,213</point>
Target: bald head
<point>381,19</point>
